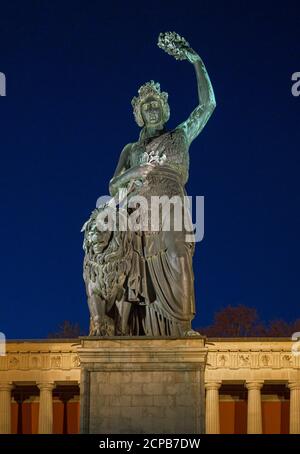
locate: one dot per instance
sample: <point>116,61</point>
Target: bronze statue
<point>141,282</point>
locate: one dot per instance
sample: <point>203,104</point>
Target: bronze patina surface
<point>141,282</point>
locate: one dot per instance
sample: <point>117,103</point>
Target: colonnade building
<point>252,386</point>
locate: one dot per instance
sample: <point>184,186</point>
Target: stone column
<point>294,407</point>
<point>46,408</point>
<point>212,413</point>
<point>5,407</point>
<point>254,417</point>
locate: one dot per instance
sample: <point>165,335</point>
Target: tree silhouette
<point>67,330</point>
<point>243,321</point>
<point>279,328</point>
<point>233,321</point>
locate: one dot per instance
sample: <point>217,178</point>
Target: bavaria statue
<point>139,279</point>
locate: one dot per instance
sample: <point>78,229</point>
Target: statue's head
<point>150,107</point>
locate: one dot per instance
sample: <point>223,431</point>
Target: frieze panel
<point>223,356</point>
<point>252,359</point>
<point>41,361</point>
<point>13,362</point>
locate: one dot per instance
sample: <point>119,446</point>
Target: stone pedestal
<point>142,385</point>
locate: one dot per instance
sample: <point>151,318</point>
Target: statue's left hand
<point>177,46</point>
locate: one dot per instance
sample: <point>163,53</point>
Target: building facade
<point>252,386</point>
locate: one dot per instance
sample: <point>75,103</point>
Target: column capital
<point>294,385</point>
<point>6,386</point>
<point>254,384</point>
<point>46,386</point>
<point>213,385</point>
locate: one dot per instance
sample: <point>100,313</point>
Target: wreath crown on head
<point>150,89</point>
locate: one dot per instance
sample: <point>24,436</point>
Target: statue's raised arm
<point>180,49</point>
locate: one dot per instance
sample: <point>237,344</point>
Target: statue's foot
<point>102,328</point>
<point>191,333</point>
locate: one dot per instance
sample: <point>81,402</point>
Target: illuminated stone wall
<point>246,380</point>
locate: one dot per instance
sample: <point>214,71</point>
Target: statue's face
<point>152,112</point>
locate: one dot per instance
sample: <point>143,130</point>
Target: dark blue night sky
<point>72,68</point>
